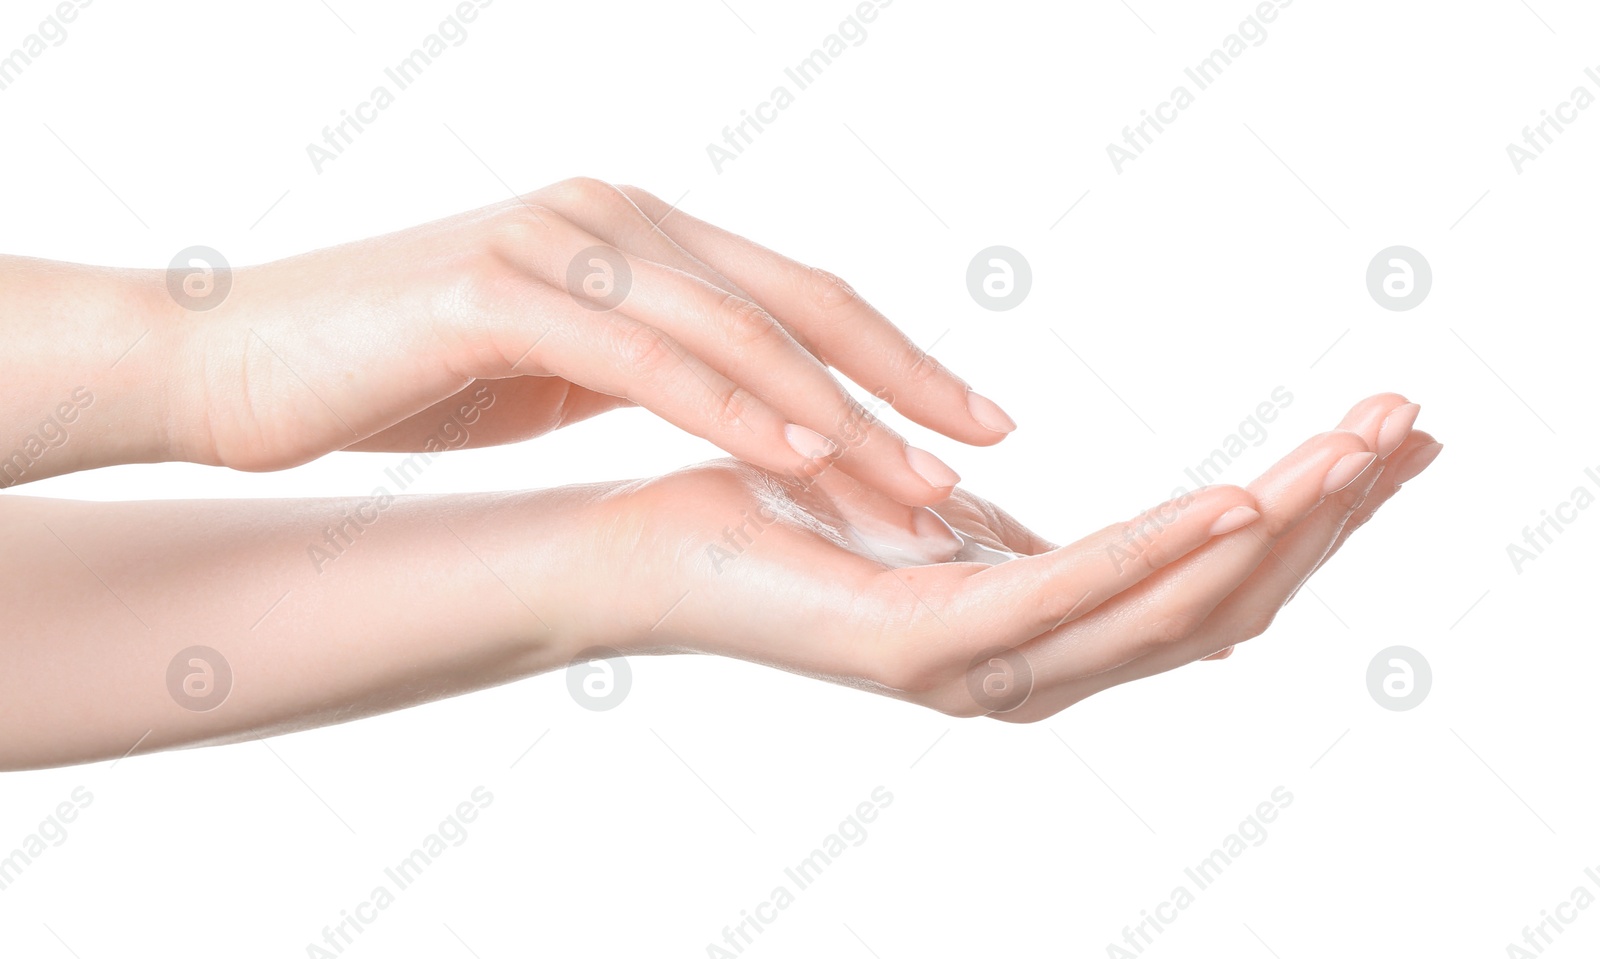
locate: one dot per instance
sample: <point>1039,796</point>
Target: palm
<point>729,559</point>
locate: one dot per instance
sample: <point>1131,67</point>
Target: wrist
<point>93,385</point>
<point>552,552</point>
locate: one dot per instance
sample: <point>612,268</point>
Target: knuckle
<point>1170,629</point>
<point>1132,548</point>
<point>588,194</point>
<point>1276,523</point>
<point>586,189</point>
<point>472,299</point>
<point>732,408</point>
<point>744,323</point>
<point>645,351</point>
<point>481,279</point>
<point>522,225</point>
<point>856,422</point>
<point>631,191</point>
<point>830,291</point>
<point>922,368</point>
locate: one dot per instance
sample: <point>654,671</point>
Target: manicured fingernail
<point>931,468</point>
<point>1417,462</point>
<point>1345,471</point>
<point>1234,519</point>
<point>808,443</point>
<point>934,531</point>
<point>1396,427</point>
<point>989,414</point>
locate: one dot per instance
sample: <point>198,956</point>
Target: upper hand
<point>550,308</point>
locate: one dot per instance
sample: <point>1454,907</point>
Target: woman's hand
<point>554,307</point>
<point>833,580</point>
<point>301,612</point>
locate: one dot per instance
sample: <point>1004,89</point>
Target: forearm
<point>89,359</point>
<point>404,602</point>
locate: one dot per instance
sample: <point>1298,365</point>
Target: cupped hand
<point>516,319</point>
<point>961,608</point>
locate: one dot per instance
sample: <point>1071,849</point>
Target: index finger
<point>841,328</point>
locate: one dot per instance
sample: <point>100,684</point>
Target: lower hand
<point>728,559</point>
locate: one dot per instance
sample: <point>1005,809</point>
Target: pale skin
<point>369,346</point>
<point>442,595</point>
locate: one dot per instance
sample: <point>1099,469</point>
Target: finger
<point>1414,455</point>
<point>1399,465</point>
<point>836,324</point>
<point>1167,610</point>
<point>1382,420</point>
<point>745,344</point>
<point>1012,602</point>
<point>1249,611</point>
<point>607,212</point>
<point>1385,423</point>
<point>615,354</point>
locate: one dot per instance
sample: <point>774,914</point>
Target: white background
<point>1220,265</point>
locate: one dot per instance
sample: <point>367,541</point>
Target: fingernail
<point>989,414</point>
<point>1396,427</point>
<point>934,531</point>
<point>1234,519</point>
<point>1345,471</point>
<point>931,468</point>
<point>1417,462</point>
<point>808,443</point>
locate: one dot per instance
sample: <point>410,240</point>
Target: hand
<point>962,609</point>
<point>728,559</point>
<point>551,308</point>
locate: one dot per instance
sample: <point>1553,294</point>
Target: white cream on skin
<point>933,541</point>
<point>892,535</point>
